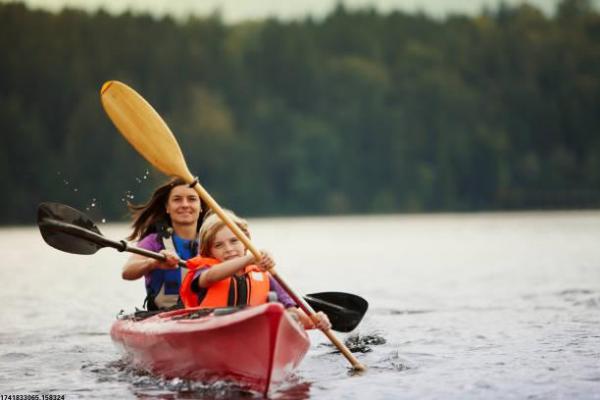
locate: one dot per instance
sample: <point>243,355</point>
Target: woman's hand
<point>171,261</point>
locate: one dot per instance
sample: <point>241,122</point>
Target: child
<point>225,275</point>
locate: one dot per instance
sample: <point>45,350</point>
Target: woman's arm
<point>138,266</point>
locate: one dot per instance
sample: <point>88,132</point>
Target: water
<point>479,306</point>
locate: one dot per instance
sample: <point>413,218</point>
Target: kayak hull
<point>253,347</point>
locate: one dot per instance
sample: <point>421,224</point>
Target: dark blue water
<point>482,306</point>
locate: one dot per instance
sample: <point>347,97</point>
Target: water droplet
<point>66,182</point>
<point>75,189</point>
<point>93,205</point>
<point>103,220</point>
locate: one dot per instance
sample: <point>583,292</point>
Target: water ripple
<point>14,356</point>
<point>581,297</point>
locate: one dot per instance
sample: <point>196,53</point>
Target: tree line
<point>358,112</point>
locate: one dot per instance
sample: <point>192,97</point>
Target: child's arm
<point>224,270</point>
<point>228,268</point>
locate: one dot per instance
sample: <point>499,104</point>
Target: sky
<point>234,11</point>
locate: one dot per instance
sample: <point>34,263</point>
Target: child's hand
<point>266,262</point>
<point>322,321</point>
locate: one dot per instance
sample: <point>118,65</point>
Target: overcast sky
<point>236,10</point>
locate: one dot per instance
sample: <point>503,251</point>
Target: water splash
<point>357,343</point>
<point>66,181</point>
<point>143,178</point>
<point>91,205</point>
<point>146,385</point>
<point>395,362</point>
<point>128,196</point>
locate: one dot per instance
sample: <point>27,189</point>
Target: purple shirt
<point>152,243</point>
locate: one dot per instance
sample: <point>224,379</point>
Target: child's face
<point>226,245</point>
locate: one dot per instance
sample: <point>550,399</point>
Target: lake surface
<point>462,306</point>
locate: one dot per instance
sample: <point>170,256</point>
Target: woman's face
<point>226,246</point>
<point>183,206</point>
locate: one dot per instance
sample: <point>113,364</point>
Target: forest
<point>359,112</point>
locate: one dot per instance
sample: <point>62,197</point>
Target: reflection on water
<point>461,306</point>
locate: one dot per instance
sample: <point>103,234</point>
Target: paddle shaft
<point>148,253</point>
<point>311,313</point>
<point>122,245</point>
<point>298,299</point>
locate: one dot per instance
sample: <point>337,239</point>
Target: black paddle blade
<point>68,229</point>
<point>345,310</point>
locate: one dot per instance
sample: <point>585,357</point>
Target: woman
<point>168,224</point>
<point>225,275</point>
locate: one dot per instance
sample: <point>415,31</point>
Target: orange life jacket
<point>224,293</point>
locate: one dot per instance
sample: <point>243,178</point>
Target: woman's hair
<point>213,224</point>
<point>147,217</point>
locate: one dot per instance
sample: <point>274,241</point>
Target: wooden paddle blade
<point>62,227</point>
<point>345,310</point>
<point>144,129</point>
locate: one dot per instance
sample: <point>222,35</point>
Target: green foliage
<point>360,112</point>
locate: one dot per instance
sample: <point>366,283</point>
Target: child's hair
<point>212,224</point>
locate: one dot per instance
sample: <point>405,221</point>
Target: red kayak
<point>253,346</point>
